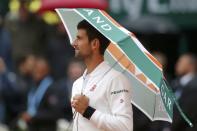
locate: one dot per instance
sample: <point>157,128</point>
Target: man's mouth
<point>76,51</point>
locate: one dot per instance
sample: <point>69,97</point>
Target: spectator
<point>185,86</point>
<point>185,72</point>
<point>59,50</point>
<point>10,94</point>
<point>2,105</point>
<point>44,105</point>
<point>5,45</point>
<point>27,32</point>
<point>74,71</point>
<point>25,67</point>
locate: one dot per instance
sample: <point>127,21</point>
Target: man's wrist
<point>89,112</point>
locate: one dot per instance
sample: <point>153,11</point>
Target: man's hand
<point>80,103</point>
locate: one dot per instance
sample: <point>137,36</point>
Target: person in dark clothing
<point>74,71</point>
<point>59,50</point>
<point>9,93</point>
<point>185,86</point>
<point>5,45</point>
<point>44,102</point>
<point>25,66</point>
<point>28,32</point>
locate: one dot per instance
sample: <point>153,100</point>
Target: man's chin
<point>76,53</point>
<point>78,56</point>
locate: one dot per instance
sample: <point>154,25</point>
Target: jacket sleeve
<point>119,98</point>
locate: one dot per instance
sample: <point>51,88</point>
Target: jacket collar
<point>99,70</point>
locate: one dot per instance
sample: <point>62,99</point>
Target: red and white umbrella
<point>52,4</point>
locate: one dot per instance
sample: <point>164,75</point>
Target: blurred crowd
<point>184,86</point>
<point>37,70</point>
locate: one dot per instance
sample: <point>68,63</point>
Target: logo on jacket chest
<point>93,88</point>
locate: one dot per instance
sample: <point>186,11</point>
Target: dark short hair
<point>94,33</point>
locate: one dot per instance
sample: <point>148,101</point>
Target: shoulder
<point>117,81</point>
<point>113,74</point>
<point>78,81</point>
<point>116,75</point>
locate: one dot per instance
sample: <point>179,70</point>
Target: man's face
<point>41,69</point>
<point>82,45</point>
<point>182,65</point>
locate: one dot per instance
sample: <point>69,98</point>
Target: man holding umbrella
<point>101,98</point>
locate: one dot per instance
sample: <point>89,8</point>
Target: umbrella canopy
<point>150,92</point>
<point>52,4</point>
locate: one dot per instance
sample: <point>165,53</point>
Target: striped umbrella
<point>150,92</point>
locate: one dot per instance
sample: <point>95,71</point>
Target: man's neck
<point>93,63</point>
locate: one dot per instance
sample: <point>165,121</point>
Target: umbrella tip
<point>190,124</point>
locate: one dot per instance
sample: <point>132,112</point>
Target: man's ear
<point>95,44</point>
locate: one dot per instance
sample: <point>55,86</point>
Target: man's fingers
<point>75,103</point>
<point>77,97</point>
<point>80,103</point>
